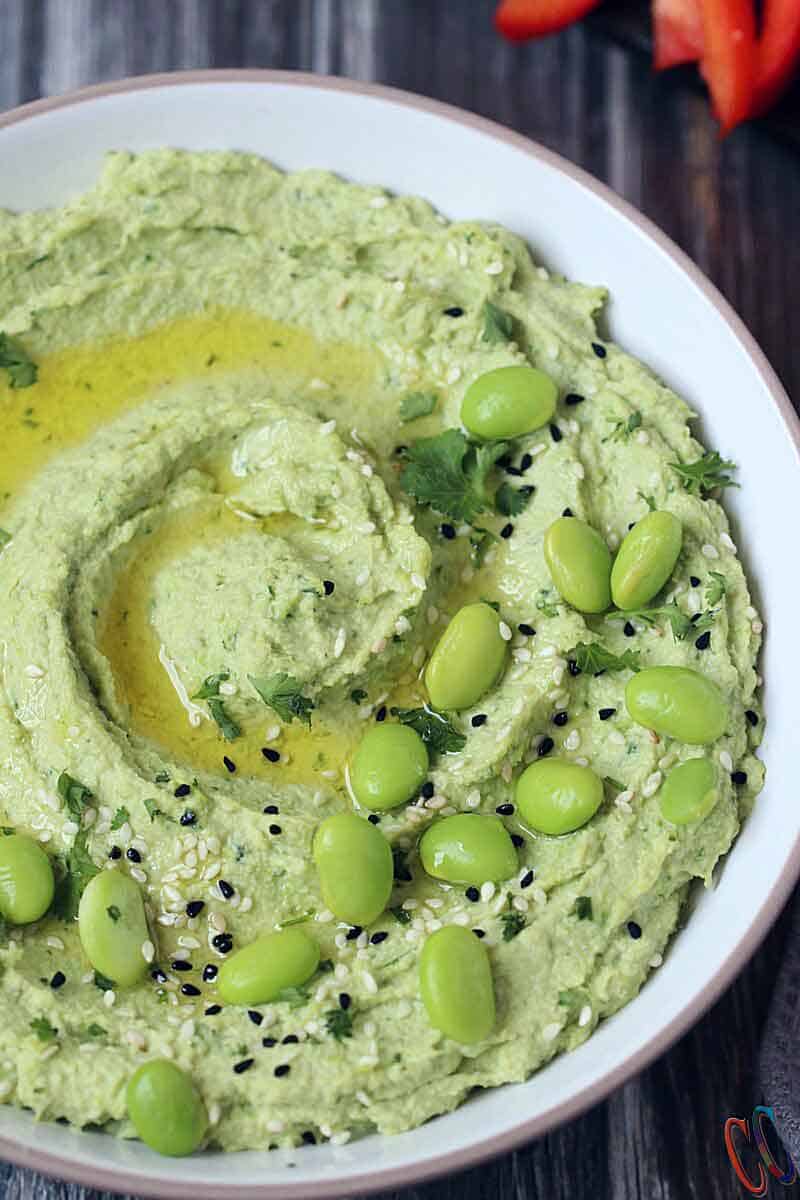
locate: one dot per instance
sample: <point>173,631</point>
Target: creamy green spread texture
<point>205,481</point>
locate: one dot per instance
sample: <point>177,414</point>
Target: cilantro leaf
<point>433,727</point>
<point>702,621</point>
<point>679,622</point>
<point>716,588</point>
<point>513,923</point>
<point>481,541</point>
<point>103,982</point>
<point>78,870</point>
<point>400,870</point>
<point>5,538</point>
<point>511,501</point>
<point>22,370</point>
<point>339,1023</point>
<point>154,811</point>
<point>706,474</point>
<point>546,606</point>
<point>209,691</point>
<point>583,908</point>
<point>622,430</point>
<point>358,695</point>
<point>401,915</point>
<point>594,659</point>
<point>114,913</point>
<point>44,1031</point>
<point>649,500</point>
<point>95,1031</point>
<point>498,325</point>
<point>449,473</point>
<point>281,692</point>
<point>120,817</point>
<point>75,795</point>
<point>417,404</point>
<point>210,685</point>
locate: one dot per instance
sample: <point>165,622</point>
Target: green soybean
<point>646,559</point>
<point>257,973</point>
<point>580,564</point>
<point>355,868</point>
<point>166,1109</point>
<point>468,848</point>
<point>555,796</point>
<point>455,983</point>
<point>26,879</point>
<point>389,766</point>
<point>689,792</point>
<point>468,659</point>
<point>507,402</point>
<point>677,702</point>
<point>113,927</point>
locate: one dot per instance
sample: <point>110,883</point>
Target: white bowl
<point>662,310</point>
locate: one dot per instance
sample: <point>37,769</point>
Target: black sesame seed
<point>574,398</point>
<point>255,1017</point>
<point>226,889</point>
<point>378,937</point>
<point>599,350</point>
<point>568,513</point>
<point>473,894</point>
<point>427,789</point>
<point>243,1066</point>
<point>739,777</point>
<point>115,853</point>
<point>291,1039</point>
<point>270,755</point>
<point>751,716</point>
<point>515,472</point>
<point>213,1009</point>
<point>479,933</point>
<point>517,841</point>
<point>188,818</point>
<point>133,855</point>
<point>505,810</point>
<point>526,462</point>
<point>555,433</point>
<point>527,879</point>
<point>328,586</point>
<point>447,531</point>
<point>560,718</point>
<point>180,964</point>
<point>58,980</point>
<point>158,975</point>
<point>210,972</point>
<point>704,641</point>
<point>182,789</point>
<point>507,530</point>
<point>282,1070</point>
<point>222,942</point>
<point>504,461</point>
<point>631,525</point>
<point>194,908</point>
<point>526,630</point>
<point>454,311</point>
<point>275,830</point>
<point>229,763</point>
<point>545,746</point>
<point>380,715</point>
<point>344,1000</point>
<point>354,932</point>
<point>628,630</point>
<point>272,810</point>
<point>634,930</point>
<point>605,713</point>
<point>189,989</point>
<point>573,667</point>
<point>694,581</point>
<point>478,719</point>
<point>269,1042</point>
<point>307,1135</point>
<point>374,819</point>
<point>400,449</point>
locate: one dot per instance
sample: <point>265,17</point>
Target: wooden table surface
<point>733,206</point>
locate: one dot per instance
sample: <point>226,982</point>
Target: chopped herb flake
<point>594,659</point>
<point>433,727</point>
<point>417,404</point>
<point>281,692</point>
<point>449,473</point>
<point>708,473</point>
<point>22,370</point>
<point>498,325</point>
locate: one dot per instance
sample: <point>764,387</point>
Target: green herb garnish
<point>295,997</point>
<point>716,588</point>
<point>120,817</point>
<point>75,795</point>
<point>498,325</point>
<point>546,606</point>
<point>114,913</point>
<point>5,538</point>
<point>281,692</point>
<point>22,370</point>
<point>209,691</point>
<point>44,1031</point>
<point>339,1023</point>
<point>622,430</point>
<point>511,501</point>
<point>513,923</point>
<point>449,474</point>
<point>77,869</point>
<point>706,474</point>
<point>154,811</point>
<point>95,1031</point>
<point>594,659</point>
<point>433,727</point>
<point>417,404</point>
<point>401,915</point>
<point>400,867</point>
<point>358,695</point>
<point>103,982</point>
<point>583,908</point>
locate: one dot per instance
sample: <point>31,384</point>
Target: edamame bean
<point>166,1109</point>
<point>455,983</point>
<point>646,559</point>
<point>677,702</point>
<point>274,961</point>
<point>389,766</point>
<point>26,879</point>
<point>468,848</point>
<point>113,927</point>
<point>508,402</point>
<point>579,563</point>
<point>354,862</point>
<point>689,792</point>
<point>468,659</point>
<point>556,796</point>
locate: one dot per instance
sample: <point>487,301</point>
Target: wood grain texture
<point>733,206</point>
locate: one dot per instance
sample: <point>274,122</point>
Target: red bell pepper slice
<point>729,58</point>
<point>778,52</point>
<point>677,33</point>
<point>522,19</point>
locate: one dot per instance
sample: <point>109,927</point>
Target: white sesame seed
<point>55,943</point>
<point>520,904</point>
<point>727,542</point>
<point>473,799</point>
<point>615,738</point>
<point>166,919</point>
<point>275,1126</point>
<point>369,983</point>
<point>367,527</point>
<point>34,672</point>
<point>546,652</point>
<point>710,551</point>
<point>402,625</point>
<point>362,578</point>
<point>378,202</point>
<point>652,784</point>
<point>410,904</point>
<point>585,1016</point>
<point>340,1139</point>
<point>454,374</point>
<point>725,760</point>
<point>339,644</point>
<point>750,613</point>
<point>188,943</point>
<point>138,874</point>
<point>573,741</point>
<point>228,689</point>
<point>327,428</point>
<point>217,921</point>
<point>667,760</point>
<point>551,1032</point>
<point>487,891</point>
<point>505,632</point>
<point>108,998</point>
<point>494,268</point>
<point>340,941</point>
<point>418,581</point>
<point>656,961</point>
<point>71,828</point>
<point>643,437</point>
<point>148,951</point>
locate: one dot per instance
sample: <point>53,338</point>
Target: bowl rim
<point>447,1162</point>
